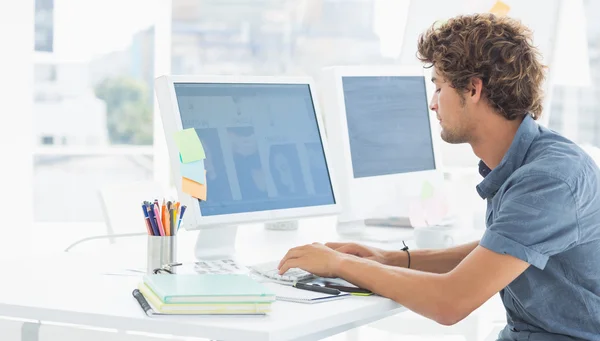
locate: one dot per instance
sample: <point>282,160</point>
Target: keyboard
<point>270,271</point>
<point>267,270</point>
<point>222,266</point>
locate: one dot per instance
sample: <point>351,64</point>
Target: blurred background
<point>79,110</point>
<point>90,105</point>
<point>79,114</point>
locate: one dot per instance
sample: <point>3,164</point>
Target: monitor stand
<point>218,242</point>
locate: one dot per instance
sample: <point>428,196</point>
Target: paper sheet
<point>194,171</point>
<point>189,145</point>
<point>193,188</point>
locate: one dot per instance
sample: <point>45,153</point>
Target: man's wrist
<point>341,265</point>
<point>396,258</point>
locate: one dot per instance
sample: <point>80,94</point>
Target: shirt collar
<point>512,160</point>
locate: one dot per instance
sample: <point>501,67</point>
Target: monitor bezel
<point>171,118</point>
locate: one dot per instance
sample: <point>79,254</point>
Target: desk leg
<point>30,331</point>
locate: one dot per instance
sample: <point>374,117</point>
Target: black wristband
<point>405,248</point>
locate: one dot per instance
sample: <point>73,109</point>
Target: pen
<point>152,220</point>
<point>163,213</point>
<point>166,221</point>
<point>148,226</point>
<point>142,302</point>
<point>161,228</point>
<point>181,216</point>
<point>317,288</point>
<point>175,218</point>
<point>173,209</point>
<point>147,220</point>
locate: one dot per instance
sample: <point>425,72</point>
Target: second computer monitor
<point>385,137</point>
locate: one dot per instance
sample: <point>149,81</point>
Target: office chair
<point>122,210</point>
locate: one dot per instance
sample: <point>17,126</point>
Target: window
<point>93,112</point>
<point>272,37</point>
<point>44,73</point>
<point>44,26</point>
<point>575,109</point>
<point>47,140</point>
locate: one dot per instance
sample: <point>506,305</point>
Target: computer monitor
<point>266,156</point>
<point>386,139</point>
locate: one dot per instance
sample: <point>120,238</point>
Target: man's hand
<point>372,253</point>
<point>315,258</point>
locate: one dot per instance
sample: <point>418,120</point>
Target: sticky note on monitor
<point>193,188</point>
<point>500,9</point>
<point>194,171</point>
<point>189,145</point>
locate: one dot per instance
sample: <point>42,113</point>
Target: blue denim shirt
<point>543,207</point>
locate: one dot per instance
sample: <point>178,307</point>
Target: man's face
<point>451,110</point>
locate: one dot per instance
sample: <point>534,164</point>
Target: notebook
<point>202,308</point>
<point>291,294</point>
<point>192,288</point>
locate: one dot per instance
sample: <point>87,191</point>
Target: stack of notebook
<point>206,294</point>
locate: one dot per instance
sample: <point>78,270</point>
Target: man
<point>540,250</point>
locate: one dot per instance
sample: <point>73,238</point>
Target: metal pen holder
<point>161,251</point>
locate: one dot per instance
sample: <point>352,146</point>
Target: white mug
<point>434,237</point>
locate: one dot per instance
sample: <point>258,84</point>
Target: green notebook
<point>202,308</point>
<point>214,288</point>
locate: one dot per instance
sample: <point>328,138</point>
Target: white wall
<point>16,100</point>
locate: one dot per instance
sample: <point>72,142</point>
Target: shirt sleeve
<point>536,219</point>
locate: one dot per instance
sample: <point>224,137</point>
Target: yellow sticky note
<point>193,188</point>
<point>500,9</point>
<point>189,145</point>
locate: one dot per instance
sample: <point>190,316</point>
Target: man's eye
<point>438,90</point>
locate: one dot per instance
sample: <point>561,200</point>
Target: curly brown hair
<point>497,50</point>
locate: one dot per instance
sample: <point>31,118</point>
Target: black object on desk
<point>143,303</point>
<point>317,288</point>
<point>339,284</point>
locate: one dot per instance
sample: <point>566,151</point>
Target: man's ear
<point>475,89</point>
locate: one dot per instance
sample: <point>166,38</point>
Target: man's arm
<point>436,261</point>
<point>446,298</point>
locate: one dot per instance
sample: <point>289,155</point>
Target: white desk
<point>71,288</point>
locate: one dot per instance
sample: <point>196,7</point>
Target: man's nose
<point>433,105</point>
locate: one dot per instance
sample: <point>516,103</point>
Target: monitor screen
<point>262,144</point>
<point>388,125</point>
